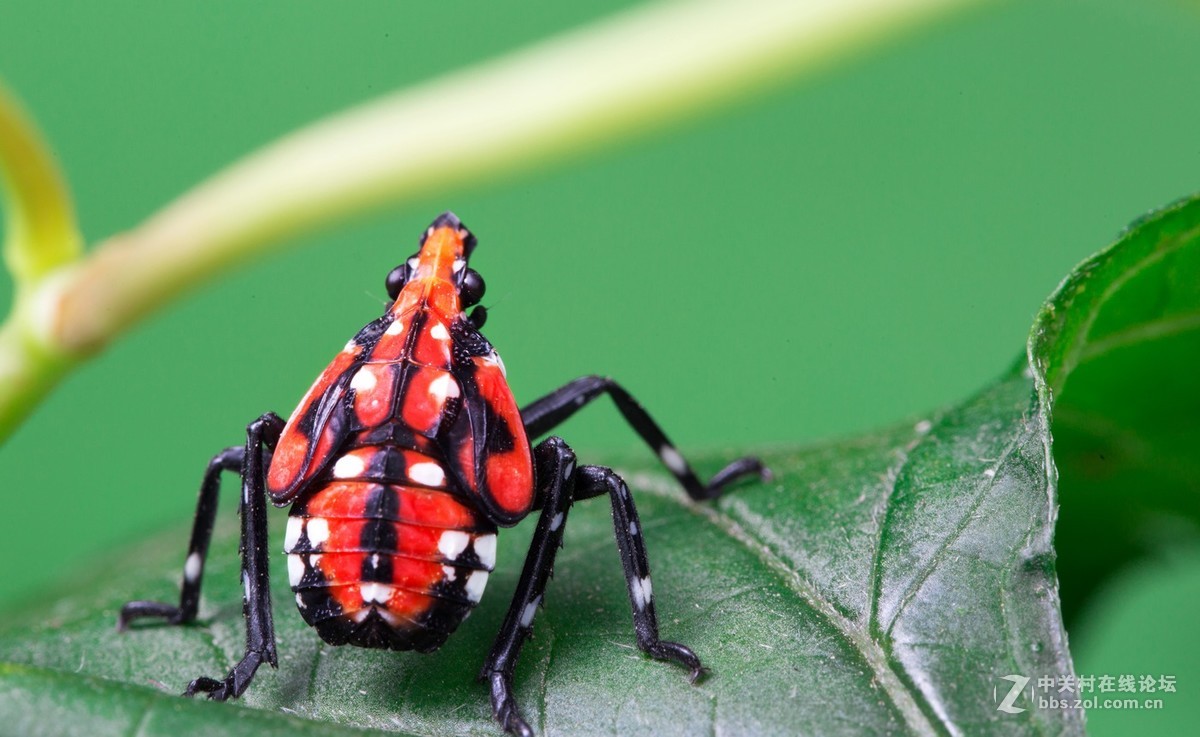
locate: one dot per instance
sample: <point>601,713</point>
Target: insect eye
<point>396,279</point>
<point>472,288</point>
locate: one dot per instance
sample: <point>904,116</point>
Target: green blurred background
<point>842,252</point>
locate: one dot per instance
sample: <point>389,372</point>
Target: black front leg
<point>542,415</point>
<point>555,473</point>
<point>560,483</point>
<point>261,437</point>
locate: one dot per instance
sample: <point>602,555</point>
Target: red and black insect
<point>400,464</point>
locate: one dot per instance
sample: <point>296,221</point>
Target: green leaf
<point>883,584</point>
<point>1126,436</point>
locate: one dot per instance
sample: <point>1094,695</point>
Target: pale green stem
<point>40,231</point>
<point>40,236</point>
<point>619,77</point>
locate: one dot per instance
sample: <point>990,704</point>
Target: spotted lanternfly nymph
<point>400,463</point>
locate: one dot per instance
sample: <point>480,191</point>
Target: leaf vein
<point>880,518</point>
<point>1141,332</point>
<point>870,650</point>
<point>964,522</point>
<point>139,729</point>
<point>1074,354</point>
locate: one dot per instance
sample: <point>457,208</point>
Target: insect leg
<point>261,437</point>
<point>555,468</point>
<point>592,481</point>
<point>229,459</point>
<point>256,589</point>
<point>542,415</point>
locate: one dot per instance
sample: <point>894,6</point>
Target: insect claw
<point>504,707</point>
<point>136,610</point>
<point>203,684</point>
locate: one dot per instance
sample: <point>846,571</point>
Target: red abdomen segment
<point>387,565</point>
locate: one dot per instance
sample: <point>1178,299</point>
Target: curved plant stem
<point>41,238</point>
<point>40,233</point>
<point>619,77</point>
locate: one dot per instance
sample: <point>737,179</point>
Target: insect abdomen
<point>388,565</point>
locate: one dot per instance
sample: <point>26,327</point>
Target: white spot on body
<point>485,548</point>
<point>375,560</point>
<point>395,328</point>
<point>246,586</point>
<point>450,572</point>
<point>494,359</point>
<point>361,614</point>
<point>375,592</point>
<point>923,427</point>
<point>391,619</point>
<point>348,466</point>
<point>364,380</point>
<point>633,528</point>
<point>296,568</point>
<point>530,610</point>
<point>458,265</point>
<point>556,522</point>
<point>672,459</point>
<point>452,543</point>
<point>642,591</point>
<point>300,601</point>
<point>443,387</point>
<point>191,569</point>
<point>439,332</point>
<point>318,531</point>
<point>428,473</point>
<point>568,469</point>
<point>295,526</point>
<point>350,347</point>
<point>475,585</point>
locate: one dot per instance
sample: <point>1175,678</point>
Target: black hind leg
<point>593,481</point>
<point>543,415</point>
<point>559,484</point>
<point>229,459</point>
<point>261,436</point>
